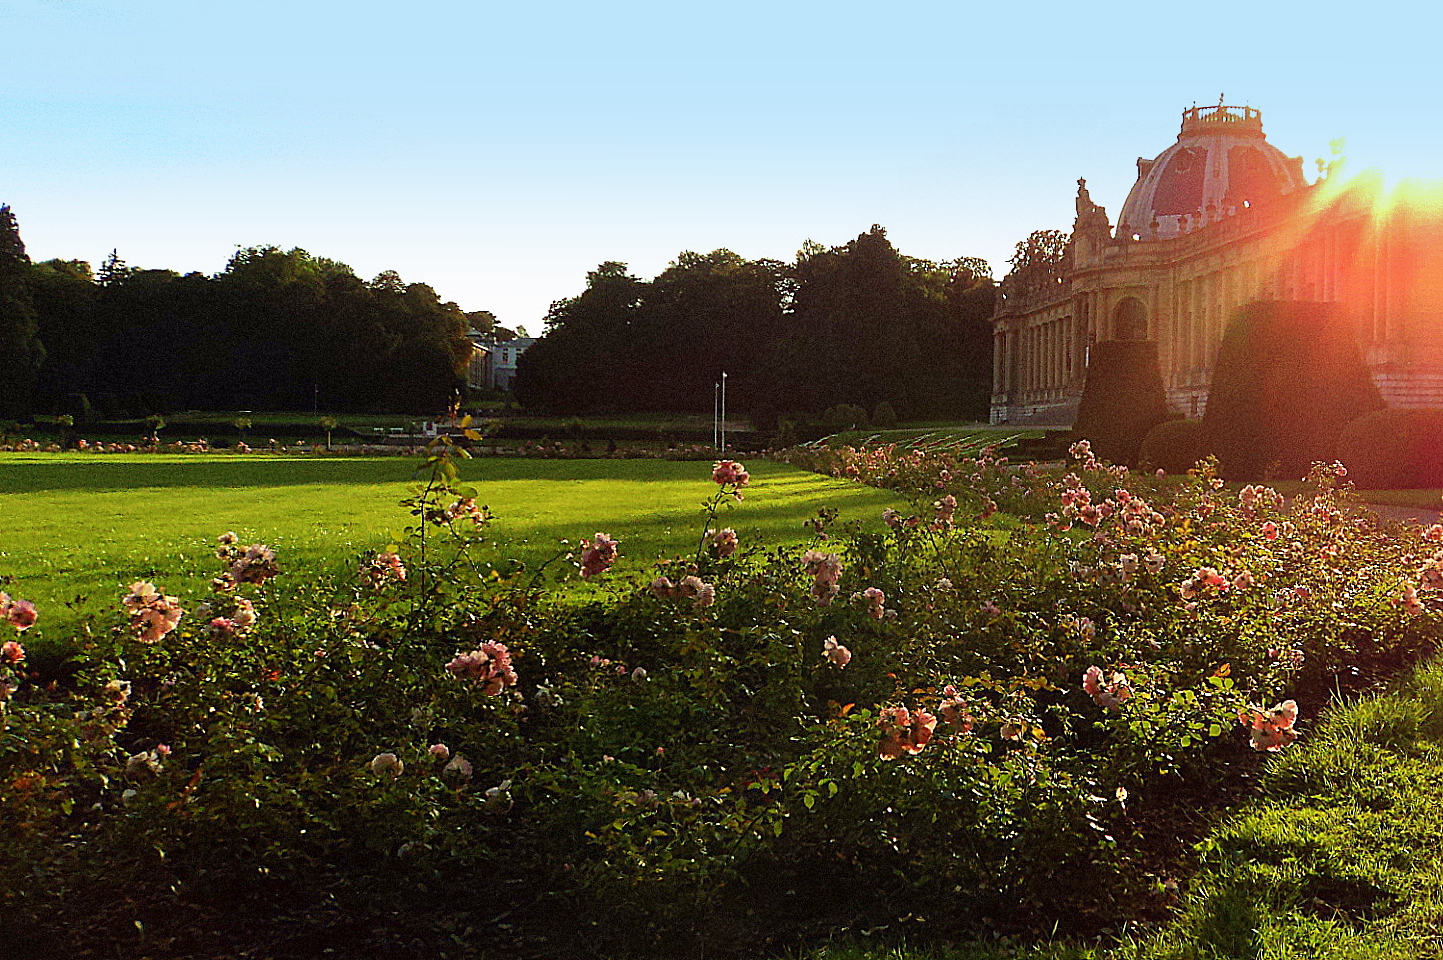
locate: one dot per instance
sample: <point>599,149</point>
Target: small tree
<point>884,417</point>
<point>328,424</point>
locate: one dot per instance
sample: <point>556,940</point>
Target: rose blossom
<point>954,710</point>
<point>387,765</point>
<point>825,569</point>
<point>20,613</point>
<point>152,615</point>
<point>598,554</point>
<point>488,666</point>
<point>723,542</point>
<point>1271,730</point>
<point>730,472</point>
<point>698,591</point>
<point>1110,696</point>
<point>904,732</point>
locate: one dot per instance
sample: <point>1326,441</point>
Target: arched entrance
<point>1129,320</point>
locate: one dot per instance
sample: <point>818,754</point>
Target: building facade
<point>1219,219</point>
<point>493,362</point>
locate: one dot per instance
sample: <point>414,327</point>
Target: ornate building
<point>1219,219</point>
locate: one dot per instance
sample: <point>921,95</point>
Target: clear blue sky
<point>500,151</point>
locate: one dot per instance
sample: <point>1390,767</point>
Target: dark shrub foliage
<point>884,417</point>
<point>1175,446</point>
<point>1122,400</point>
<point>1288,377</point>
<point>1394,449</point>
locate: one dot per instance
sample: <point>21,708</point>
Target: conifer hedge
<point>1175,446</point>
<point>1122,400</point>
<point>1288,378</point>
<point>1394,450</point>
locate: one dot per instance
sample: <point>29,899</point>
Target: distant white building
<point>493,364</point>
<point>478,368</point>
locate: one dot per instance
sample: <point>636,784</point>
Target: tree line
<point>276,329</point>
<point>857,324</point>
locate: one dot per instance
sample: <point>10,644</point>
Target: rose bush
<point>980,708</point>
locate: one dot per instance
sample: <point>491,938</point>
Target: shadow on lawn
<point>97,472</point>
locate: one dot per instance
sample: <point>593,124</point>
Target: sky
<point>498,152</point>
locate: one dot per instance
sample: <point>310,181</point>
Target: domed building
<point>1219,219</point>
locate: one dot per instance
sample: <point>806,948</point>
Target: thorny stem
<point>711,508</point>
<point>425,500</point>
<point>535,577</point>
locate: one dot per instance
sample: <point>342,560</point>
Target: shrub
<point>1174,445</point>
<point>1394,449</point>
<point>1288,378</point>
<point>845,416</point>
<point>1122,400</point>
<point>884,417</point>
<point>77,405</point>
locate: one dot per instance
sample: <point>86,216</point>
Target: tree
<point>585,348</point>
<point>1038,267</point>
<point>66,300</point>
<point>704,315</point>
<point>113,270</point>
<point>482,321</point>
<point>843,343</point>
<point>21,352</point>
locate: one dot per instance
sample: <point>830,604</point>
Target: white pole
<point>724,412</point>
<point>715,414</point>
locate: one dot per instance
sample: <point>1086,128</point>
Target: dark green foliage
<point>1288,378</point>
<point>21,352</point>
<point>1122,400</point>
<point>884,417</point>
<point>857,324</point>
<point>845,416</point>
<point>277,329</point>
<point>1174,445</point>
<point>1394,449</point>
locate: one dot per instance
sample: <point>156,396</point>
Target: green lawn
<point>967,440</point>
<point>89,525</point>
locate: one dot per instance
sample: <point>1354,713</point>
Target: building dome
<point>1220,165</point>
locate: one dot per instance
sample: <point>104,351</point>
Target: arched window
<point>1129,320</point>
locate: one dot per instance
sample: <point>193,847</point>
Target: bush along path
<point>1012,708</point>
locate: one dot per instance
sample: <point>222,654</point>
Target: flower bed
<point>983,709</point>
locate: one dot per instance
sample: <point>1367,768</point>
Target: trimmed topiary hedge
<point>1122,400</point>
<point>1394,449</point>
<point>1288,378</point>
<point>1175,446</point>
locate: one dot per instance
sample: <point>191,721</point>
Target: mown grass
<point>1342,857</point>
<point>1426,499</point>
<point>964,439</point>
<point>84,525</point>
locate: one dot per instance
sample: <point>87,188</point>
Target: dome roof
<point>1220,164</point>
